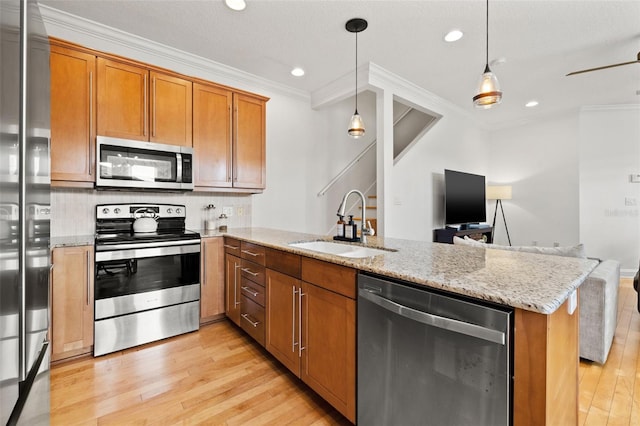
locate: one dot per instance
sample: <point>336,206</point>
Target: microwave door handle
<point>444,323</point>
<point>178,167</point>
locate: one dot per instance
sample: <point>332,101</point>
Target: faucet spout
<point>363,220</point>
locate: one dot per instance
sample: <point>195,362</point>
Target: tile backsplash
<point>73,211</point>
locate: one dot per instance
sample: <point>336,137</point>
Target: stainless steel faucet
<point>364,227</point>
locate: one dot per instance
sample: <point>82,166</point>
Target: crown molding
<point>98,36</point>
<point>620,107</point>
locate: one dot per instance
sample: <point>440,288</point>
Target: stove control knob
<point>105,211</point>
<point>169,211</point>
<point>178,210</point>
<point>117,210</point>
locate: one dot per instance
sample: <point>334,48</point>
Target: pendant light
<point>356,125</point>
<point>489,93</point>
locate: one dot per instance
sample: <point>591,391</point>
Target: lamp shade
<point>501,192</point>
<point>489,93</point>
<point>356,126</point>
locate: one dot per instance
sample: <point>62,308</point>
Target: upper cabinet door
<point>123,98</point>
<point>170,110</point>
<point>73,115</point>
<point>249,142</point>
<point>212,135</point>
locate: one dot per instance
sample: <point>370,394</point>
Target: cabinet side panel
<point>530,366</point>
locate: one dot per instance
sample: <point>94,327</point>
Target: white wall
<point>540,161</point>
<point>417,194</point>
<point>609,153</point>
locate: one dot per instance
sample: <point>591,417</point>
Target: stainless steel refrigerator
<point>24,214</point>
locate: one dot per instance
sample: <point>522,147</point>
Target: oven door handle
<point>155,244</point>
<point>438,321</point>
<point>141,253</point>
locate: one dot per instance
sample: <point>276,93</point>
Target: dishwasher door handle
<point>449,324</point>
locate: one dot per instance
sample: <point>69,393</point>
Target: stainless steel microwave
<point>124,163</point>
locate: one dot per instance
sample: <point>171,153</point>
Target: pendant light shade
<point>356,124</point>
<point>489,93</point>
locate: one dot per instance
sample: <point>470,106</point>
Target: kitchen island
<point>541,289</point>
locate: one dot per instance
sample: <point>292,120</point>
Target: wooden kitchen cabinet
<point>212,284</point>
<point>228,138</point>
<point>136,103</point>
<point>249,146</point>
<point>72,302</point>
<point>212,136</point>
<point>73,117</point>
<point>311,328</point>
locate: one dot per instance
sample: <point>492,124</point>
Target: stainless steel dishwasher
<point>429,358</point>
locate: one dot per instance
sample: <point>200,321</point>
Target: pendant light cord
<point>487,28</point>
<point>356,72</point>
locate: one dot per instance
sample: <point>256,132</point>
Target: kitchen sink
<point>338,249</point>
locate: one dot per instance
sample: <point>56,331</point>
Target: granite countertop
<point>534,282</point>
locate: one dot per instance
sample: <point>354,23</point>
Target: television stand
<point>445,235</point>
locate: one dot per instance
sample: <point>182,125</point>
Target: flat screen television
<point>464,198</point>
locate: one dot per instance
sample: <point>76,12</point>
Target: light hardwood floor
<point>610,394</point>
<point>218,376</point>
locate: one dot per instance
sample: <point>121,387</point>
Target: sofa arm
<point>599,311</point>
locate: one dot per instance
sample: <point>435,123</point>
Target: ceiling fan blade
<point>603,68</point>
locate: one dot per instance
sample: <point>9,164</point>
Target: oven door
<point>133,164</point>
<point>134,278</point>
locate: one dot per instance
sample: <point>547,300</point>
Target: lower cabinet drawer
<point>252,291</point>
<point>252,319</point>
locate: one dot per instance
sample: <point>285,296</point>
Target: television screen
<point>464,198</point>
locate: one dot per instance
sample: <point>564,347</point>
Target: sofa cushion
<point>568,251</point>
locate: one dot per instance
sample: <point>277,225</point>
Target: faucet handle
<point>369,231</point>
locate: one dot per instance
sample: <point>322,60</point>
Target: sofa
<point>598,297</point>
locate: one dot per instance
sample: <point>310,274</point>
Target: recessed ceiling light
<point>532,103</point>
<point>236,4</point>
<point>453,35</point>
<point>297,72</point>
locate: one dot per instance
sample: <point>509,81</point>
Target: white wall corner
<point>341,88</point>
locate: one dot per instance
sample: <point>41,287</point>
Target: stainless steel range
<point>147,283</point>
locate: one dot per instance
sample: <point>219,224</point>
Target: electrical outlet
<point>240,211</point>
<point>630,201</point>
<point>556,244</point>
<point>534,243</point>
<point>228,211</point>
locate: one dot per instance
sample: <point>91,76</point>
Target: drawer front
<point>232,246</point>
<point>252,271</point>
<point>252,319</point>
<point>252,252</point>
<point>281,261</point>
<point>332,277</point>
<point>252,291</point>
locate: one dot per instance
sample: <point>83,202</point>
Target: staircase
<point>408,128</point>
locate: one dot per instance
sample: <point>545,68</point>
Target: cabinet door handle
<point>231,247</point>
<point>300,347</point>
<point>90,119</point>
<point>248,290</point>
<point>144,108</point>
<point>88,276</point>
<point>248,271</point>
<point>293,319</point>
<point>235,285</point>
<point>246,317</point>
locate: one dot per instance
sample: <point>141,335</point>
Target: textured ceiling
<point>540,40</point>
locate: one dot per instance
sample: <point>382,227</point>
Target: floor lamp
<point>499,193</point>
